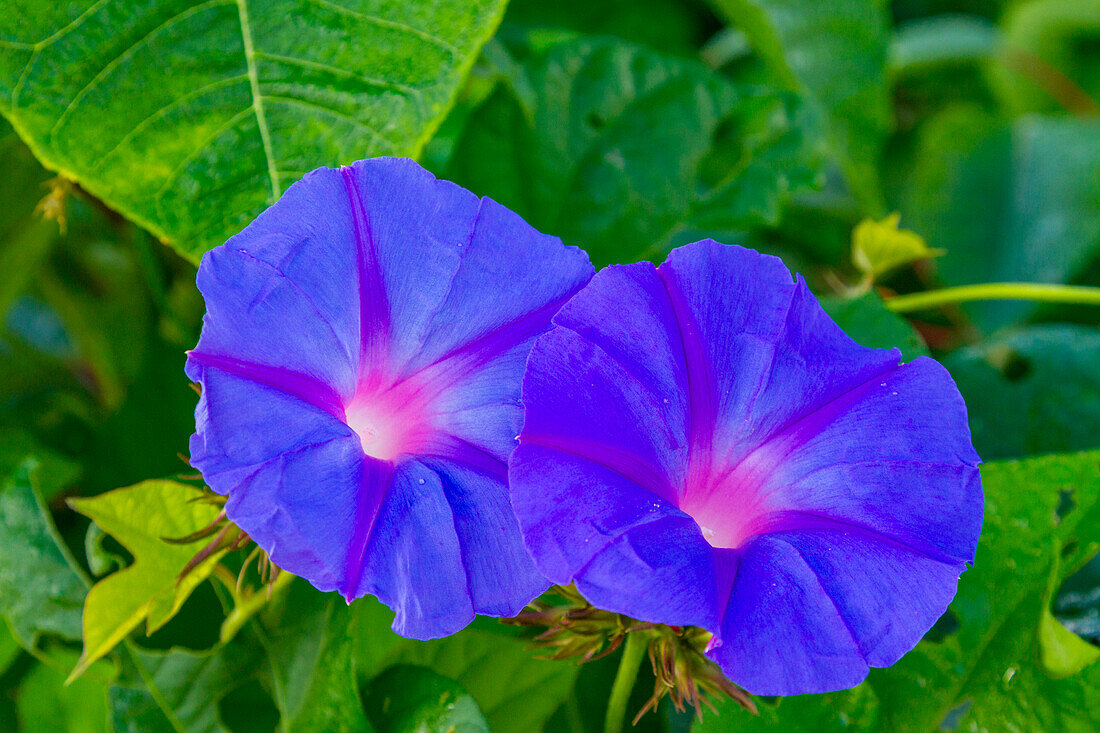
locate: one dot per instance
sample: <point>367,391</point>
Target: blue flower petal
<point>812,610</point>
<point>704,446</point>
<point>500,571</point>
<point>783,634</point>
<point>413,557</point>
<point>573,507</point>
<point>361,362</point>
<point>259,445</point>
<point>656,571</point>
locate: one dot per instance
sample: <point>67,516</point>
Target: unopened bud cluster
<point>575,629</point>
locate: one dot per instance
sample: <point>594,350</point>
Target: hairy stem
<point>633,651</point>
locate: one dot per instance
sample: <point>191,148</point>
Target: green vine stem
<point>249,605</point>
<point>1039,292</point>
<point>633,650</point>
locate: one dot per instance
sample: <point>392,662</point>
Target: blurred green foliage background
<point>141,133</point>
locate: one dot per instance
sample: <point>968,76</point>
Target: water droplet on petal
<point>420,481</point>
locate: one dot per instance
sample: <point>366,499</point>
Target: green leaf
<point>1062,652</point>
<point>516,690</point>
<point>670,26</point>
<point>176,690</point>
<point>867,320</point>
<point>411,699</point>
<point>101,560</point>
<point>46,703</point>
<point>1013,201</point>
<point>1010,691</point>
<point>40,592</point>
<point>837,52</point>
<point>1036,390</point>
<point>1077,604</point>
<point>150,590</point>
<point>376,645</point>
<point>248,708</point>
<point>9,646</point>
<point>991,662</point>
<point>930,44</point>
<point>189,118</point>
<point>627,152</point>
<point>310,651</point>
<point>848,710</point>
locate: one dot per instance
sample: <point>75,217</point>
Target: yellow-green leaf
<point>880,246</point>
<point>1062,652</point>
<point>139,517</point>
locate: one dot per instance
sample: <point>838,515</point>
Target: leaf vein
<point>65,29</point>
<point>316,65</point>
<point>257,100</point>
<point>392,24</point>
<point>199,148</point>
<point>375,134</point>
<point>136,129</point>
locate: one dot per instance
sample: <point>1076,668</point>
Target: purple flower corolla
<point>360,362</point>
<point>703,446</point>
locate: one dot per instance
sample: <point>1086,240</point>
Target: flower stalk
<point>633,651</point>
<point>1037,292</point>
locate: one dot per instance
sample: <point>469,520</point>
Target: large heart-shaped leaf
<point>190,116</point>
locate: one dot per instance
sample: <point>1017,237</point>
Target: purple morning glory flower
<point>703,446</point>
<point>360,363</point>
